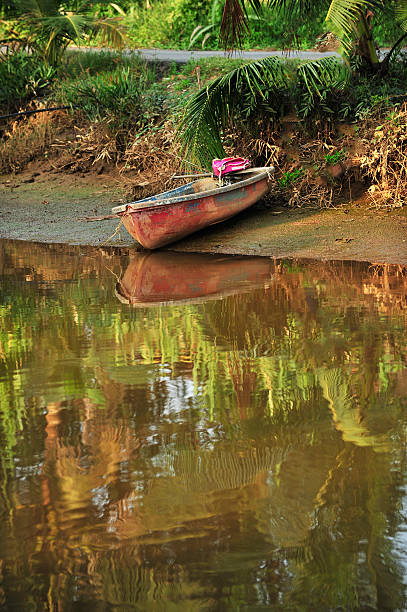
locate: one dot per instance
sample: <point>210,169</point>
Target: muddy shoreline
<point>46,208</point>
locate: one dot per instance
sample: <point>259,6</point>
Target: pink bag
<point>228,165</point>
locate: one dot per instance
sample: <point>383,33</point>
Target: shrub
<point>121,98</point>
<point>167,23</point>
<point>22,77</point>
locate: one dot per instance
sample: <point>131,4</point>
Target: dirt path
<point>46,208</point>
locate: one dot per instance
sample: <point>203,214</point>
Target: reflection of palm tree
<point>346,414</point>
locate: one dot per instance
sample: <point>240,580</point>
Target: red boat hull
<point>155,226</point>
<point>171,278</point>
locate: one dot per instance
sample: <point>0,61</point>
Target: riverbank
<point>47,208</point>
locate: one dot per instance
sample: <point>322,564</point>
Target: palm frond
<point>401,14</point>
<point>326,73</point>
<point>234,21</point>
<point>73,25</point>
<point>52,27</point>
<point>344,14</point>
<point>111,30</point>
<point>64,26</point>
<point>209,111</point>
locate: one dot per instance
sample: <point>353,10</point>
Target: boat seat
<point>205,184</point>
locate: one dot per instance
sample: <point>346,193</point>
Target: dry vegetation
<point>30,139</point>
<point>366,162</point>
<point>384,160</point>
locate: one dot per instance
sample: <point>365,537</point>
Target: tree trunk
<point>365,44</point>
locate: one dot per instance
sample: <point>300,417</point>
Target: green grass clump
<point>80,62</point>
<point>22,77</point>
<point>335,157</point>
<point>122,98</point>
<point>289,178</point>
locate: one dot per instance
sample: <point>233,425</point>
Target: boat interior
<point>198,186</point>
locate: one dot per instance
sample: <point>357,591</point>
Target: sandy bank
<point>46,208</point>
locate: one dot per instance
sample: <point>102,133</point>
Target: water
<point>201,433</point>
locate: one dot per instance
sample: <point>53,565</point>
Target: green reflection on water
<point>241,448</point>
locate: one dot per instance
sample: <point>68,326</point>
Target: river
<point>197,432</point>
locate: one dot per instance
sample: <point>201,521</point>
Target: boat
<point>168,278</point>
<point>166,217</point>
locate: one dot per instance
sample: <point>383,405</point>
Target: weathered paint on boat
<point>163,278</point>
<point>166,217</point>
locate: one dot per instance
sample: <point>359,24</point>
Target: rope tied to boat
<point>117,230</point>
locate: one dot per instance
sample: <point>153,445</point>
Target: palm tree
<point>47,28</point>
<point>266,81</point>
<point>350,20</point>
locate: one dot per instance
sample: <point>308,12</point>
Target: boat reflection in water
<point>177,278</point>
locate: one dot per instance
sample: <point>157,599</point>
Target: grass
<point>80,62</point>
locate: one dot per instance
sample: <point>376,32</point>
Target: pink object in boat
<point>227,165</point>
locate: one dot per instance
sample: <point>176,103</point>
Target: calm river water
<point>201,432</point>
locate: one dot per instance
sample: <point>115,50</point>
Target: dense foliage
<point>22,77</point>
<point>177,23</point>
<point>320,92</point>
<point>122,98</point>
<point>47,27</point>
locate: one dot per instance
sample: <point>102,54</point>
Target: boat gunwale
<point>201,299</point>
<point>260,174</point>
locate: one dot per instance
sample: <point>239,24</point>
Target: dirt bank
<point>46,208</point>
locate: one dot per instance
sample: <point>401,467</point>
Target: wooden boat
<point>169,216</point>
<point>159,279</point>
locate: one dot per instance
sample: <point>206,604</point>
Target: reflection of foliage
<point>286,346</point>
<point>258,414</point>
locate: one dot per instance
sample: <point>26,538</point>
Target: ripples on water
<point>200,433</point>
